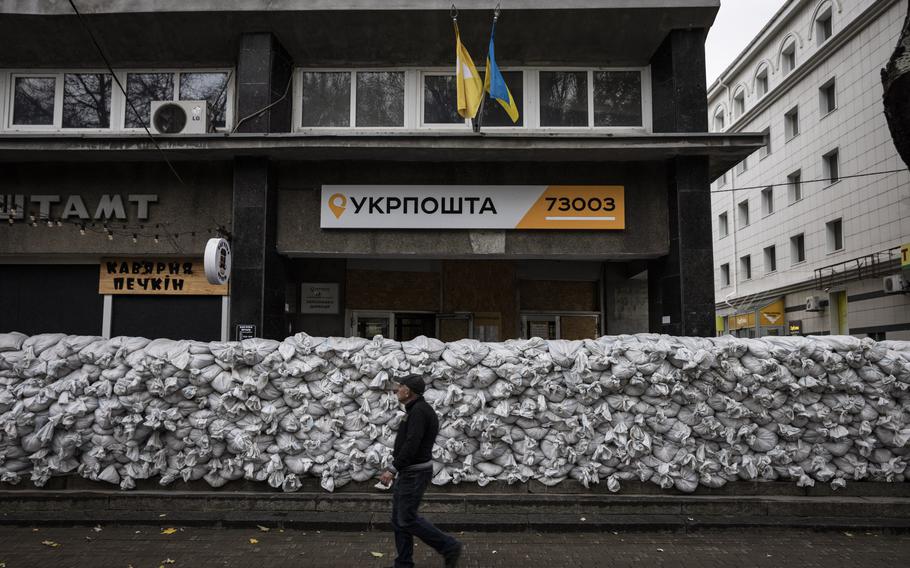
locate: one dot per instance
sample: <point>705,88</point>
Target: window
<point>791,123</point>
<point>827,98</point>
<point>766,149</point>
<point>739,104</point>
<point>84,100</point>
<point>143,88</point>
<point>617,98</point>
<point>725,274</point>
<point>831,167</point>
<point>767,200</point>
<point>835,231</point>
<point>823,28</point>
<point>745,267</point>
<point>380,99</point>
<point>719,121</point>
<point>33,100</point>
<point>770,253</point>
<point>493,114</point>
<point>743,208</point>
<point>770,259</point>
<point>742,166</point>
<point>563,98</point>
<point>761,82</point>
<point>788,58</point>
<point>722,225</point>
<point>723,180</point>
<point>797,249</point>
<point>326,98</point>
<point>794,186</point>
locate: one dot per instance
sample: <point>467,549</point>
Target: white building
<point>792,254</point>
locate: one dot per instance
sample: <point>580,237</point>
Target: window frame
<point>773,259</point>
<point>794,259</point>
<point>791,126</point>
<point>825,14</point>
<point>229,93</point>
<point>58,76</point>
<point>823,97</point>
<point>788,57</point>
<point>725,275</point>
<point>826,167</point>
<point>762,77</point>
<point>767,201</point>
<point>794,188</point>
<point>831,236</point>
<point>723,222</point>
<point>740,210</point>
<point>739,103</point>
<point>414,100</point>
<point>745,265</point>
<point>118,99</point>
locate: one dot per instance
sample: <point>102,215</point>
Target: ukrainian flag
<point>469,86</point>
<point>495,84</point>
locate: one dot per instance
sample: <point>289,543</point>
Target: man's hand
<point>386,477</point>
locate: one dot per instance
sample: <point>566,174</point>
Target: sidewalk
<point>147,547</point>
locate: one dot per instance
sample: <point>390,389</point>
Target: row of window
<point>90,100</point>
<point>795,192</point>
<point>827,103</point>
<point>585,98</point>
<point>823,30</point>
<point>835,237</point>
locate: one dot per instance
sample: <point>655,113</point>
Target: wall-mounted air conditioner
<point>179,117</point>
<point>815,304</point>
<point>895,284</point>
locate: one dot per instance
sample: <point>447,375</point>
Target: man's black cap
<point>413,382</point>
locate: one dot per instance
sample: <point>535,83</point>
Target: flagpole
<point>477,121</point>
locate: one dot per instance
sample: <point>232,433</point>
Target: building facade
<point>808,229</point>
<point>356,200</point>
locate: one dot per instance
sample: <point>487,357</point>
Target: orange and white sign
<point>559,207</point>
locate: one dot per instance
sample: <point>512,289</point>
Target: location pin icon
<point>337,204</point>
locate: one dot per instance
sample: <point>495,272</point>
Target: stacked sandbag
<point>675,411</point>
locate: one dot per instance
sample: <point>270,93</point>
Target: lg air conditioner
<point>815,304</point>
<point>895,284</point>
<point>179,117</point>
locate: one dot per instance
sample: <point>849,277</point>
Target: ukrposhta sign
<point>559,207</point>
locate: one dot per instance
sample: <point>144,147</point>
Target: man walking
<point>412,469</point>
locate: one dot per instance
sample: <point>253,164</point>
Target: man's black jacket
<point>416,435</point>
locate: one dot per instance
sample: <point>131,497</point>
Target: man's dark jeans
<point>406,495</point>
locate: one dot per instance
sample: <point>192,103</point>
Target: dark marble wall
<point>264,71</point>
<point>679,97</point>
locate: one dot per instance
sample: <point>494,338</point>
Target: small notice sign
<point>245,331</point>
<point>318,298</point>
<point>156,277</point>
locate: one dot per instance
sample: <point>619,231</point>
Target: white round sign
<point>217,261</point>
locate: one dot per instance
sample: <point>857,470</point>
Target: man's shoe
<point>453,557</point>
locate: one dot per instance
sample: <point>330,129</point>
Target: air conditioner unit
<point>815,304</point>
<point>895,284</point>
<point>179,117</point>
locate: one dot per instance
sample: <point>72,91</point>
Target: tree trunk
<point>896,98</point>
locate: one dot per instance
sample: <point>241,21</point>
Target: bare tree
<point>896,82</point>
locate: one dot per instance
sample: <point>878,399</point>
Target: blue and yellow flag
<point>469,86</point>
<point>494,83</point>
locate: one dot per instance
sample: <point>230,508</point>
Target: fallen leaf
<point>138,532</point>
<point>583,519</point>
<point>494,552</point>
<point>168,531</point>
<point>263,529</point>
<point>281,530</point>
<point>254,541</point>
<point>88,538</point>
<point>50,543</point>
<point>36,530</point>
<point>660,550</point>
<point>377,554</point>
<point>168,561</point>
<point>97,529</point>
<point>162,515</point>
<point>848,534</point>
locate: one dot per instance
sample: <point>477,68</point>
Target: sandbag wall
<point>674,411</point>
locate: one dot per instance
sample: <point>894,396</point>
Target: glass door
<point>371,324</point>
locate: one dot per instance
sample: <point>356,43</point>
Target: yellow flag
<point>470,88</point>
